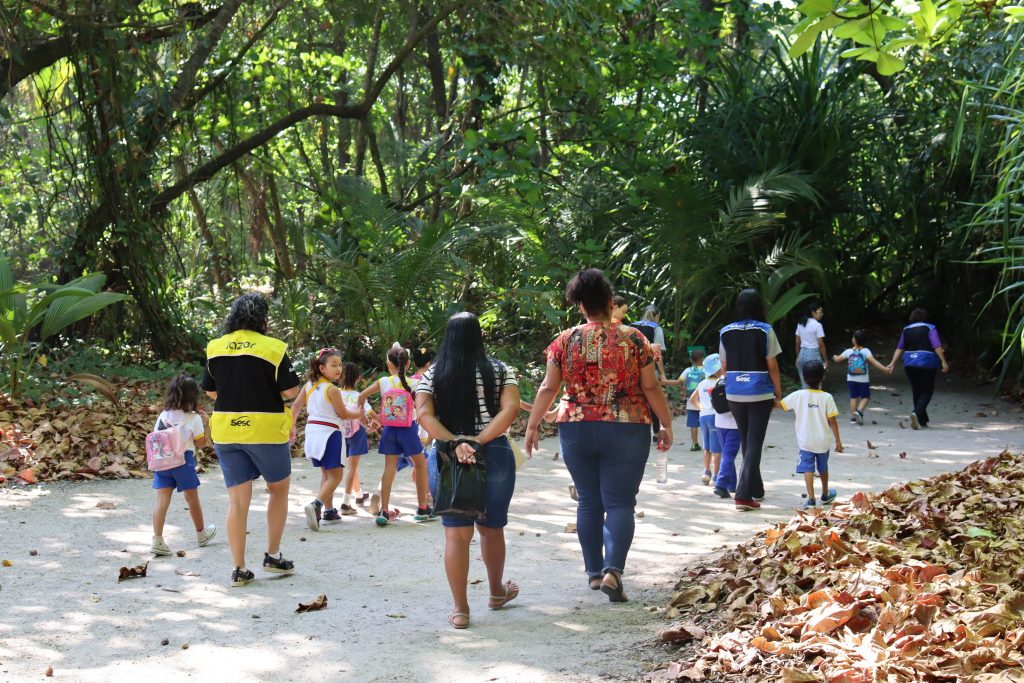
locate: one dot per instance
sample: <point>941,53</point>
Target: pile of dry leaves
<point>922,582</point>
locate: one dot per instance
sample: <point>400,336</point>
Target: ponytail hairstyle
<point>399,357</point>
<point>318,360</point>
<point>349,375</point>
<point>182,394</point>
<point>422,356</point>
<point>809,312</point>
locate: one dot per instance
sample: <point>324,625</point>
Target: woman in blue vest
<point>922,353</point>
<point>749,349</point>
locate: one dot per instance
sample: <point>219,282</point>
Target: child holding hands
<point>816,413</point>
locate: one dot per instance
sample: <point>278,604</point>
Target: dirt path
<point>388,596</point>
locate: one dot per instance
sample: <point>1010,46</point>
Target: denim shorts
<point>332,453</point>
<point>357,444</point>
<point>498,487</point>
<point>400,441</point>
<point>182,477</point>
<point>859,389</point>
<point>692,418</point>
<point>243,462</point>
<point>709,434</point>
<point>808,461</point>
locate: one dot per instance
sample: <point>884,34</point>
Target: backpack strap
<point>495,409</point>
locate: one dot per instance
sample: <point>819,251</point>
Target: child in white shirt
<point>816,413</point>
<point>701,400</point>
<point>857,378</point>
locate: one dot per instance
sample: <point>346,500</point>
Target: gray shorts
<point>243,462</point>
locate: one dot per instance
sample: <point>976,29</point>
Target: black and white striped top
<point>483,416</point>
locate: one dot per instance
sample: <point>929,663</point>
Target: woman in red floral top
<point>604,421</point>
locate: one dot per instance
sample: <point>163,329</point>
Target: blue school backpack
<point>858,364</point>
<point>693,377</point>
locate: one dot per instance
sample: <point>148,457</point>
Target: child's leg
<point>163,503</point>
<point>693,435</point>
<point>707,460</point>
<point>387,479</point>
<point>809,482</point>
<point>328,484</point>
<point>716,463</point>
<point>862,404</point>
<point>853,405</point>
<point>419,470</point>
<point>824,484</point>
<point>352,474</point>
<point>195,508</point>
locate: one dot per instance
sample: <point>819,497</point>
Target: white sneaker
<point>158,546</point>
<point>207,534</point>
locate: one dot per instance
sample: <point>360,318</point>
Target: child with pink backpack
<point>170,453</point>
<point>400,435</point>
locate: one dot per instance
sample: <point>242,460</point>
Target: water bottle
<point>661,468</point>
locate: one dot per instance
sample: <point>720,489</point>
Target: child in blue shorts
<point>690,378</point>
<point>701,397</point>
<point>857,358</point>
<point>815,426</point>
<point>181,409</point>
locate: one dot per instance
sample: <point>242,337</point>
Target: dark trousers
<point>922,384</point>
<point>752,420</point>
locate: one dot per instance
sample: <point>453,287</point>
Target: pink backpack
<point>165,448</point>
<point>396,407</point>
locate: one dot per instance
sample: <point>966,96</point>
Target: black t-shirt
<point>249,383</point>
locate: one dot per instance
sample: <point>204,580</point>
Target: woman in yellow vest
<point>249,376</point>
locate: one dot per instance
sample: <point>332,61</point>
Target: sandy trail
<point>388,595</point>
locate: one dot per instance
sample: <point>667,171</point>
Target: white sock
<point>347,499</point>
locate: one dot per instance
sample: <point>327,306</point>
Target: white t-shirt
<point>725,421</point>
<point>813,408</point>
<point>809,333</point>
<point>483,416</point>
<point>190,423</point>
<point>704,393</point>
<point>866,352</point>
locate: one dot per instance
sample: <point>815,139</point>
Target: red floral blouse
<point>600,365</point>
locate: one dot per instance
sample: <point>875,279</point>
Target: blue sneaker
<point>810,504</point>
<point>331,517</point>
<point>831,496</point>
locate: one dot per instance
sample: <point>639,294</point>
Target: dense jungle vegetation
<point>377,166</point>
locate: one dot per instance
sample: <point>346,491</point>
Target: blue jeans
<point>606,461</point>
<point>730,449</point>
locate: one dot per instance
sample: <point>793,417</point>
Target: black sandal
<point>614,593</point>
<point>594,582</point>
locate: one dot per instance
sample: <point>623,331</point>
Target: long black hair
<point>349,375</point>
<point>750,306</point>
<point>248,312</point>
<point>460,356</point>
<point>809,312</point>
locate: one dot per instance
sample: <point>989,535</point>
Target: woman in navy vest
<point>749,350</point>
<point>922,353</point>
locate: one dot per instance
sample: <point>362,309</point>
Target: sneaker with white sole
<point>859,417</point>
<point>277,565</point>
<point>241,577</point>
<point>313,515</point>
<point>158,546</point>
<point>331,516</point>
<point>347,509</point>
<point>706,478</point>
<point>829,497</point>
<point>207,534</point>
<point>914,422</point>
<point>810,504</point>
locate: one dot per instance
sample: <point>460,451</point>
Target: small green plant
<point>30,314</point>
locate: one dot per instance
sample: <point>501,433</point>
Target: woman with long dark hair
<point>748,349</point>
<point>466,394</point>
<point>604,423</point>
<point>923,356</point>
<point>810,339</point>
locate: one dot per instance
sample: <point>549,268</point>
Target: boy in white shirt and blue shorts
<point>816,414</point>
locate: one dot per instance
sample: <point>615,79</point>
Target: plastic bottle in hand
<point>661,469</point>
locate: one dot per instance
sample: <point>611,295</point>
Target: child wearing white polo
<point>816,413</point>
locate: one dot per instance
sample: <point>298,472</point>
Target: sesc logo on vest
<point>744,378</point>
<point>241,421</point>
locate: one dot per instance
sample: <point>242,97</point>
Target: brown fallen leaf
<point>682,632</point>
<point>49,672</point>
<point>318,604</point>
<point>903,455</point>
<point>901,425</point>
<point>7,563</point>
<point>475,582</point>
<point>106,505</point>
<point>136,572</point>
<point>570,528</point>
<point>180,553</point>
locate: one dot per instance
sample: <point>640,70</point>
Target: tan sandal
<point>459,620</point>
<point>499,601</point>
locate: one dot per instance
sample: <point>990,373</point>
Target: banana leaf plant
<point>31,314</point>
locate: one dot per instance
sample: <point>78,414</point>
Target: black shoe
<point>277,565</point>
<point>614,593</point>
<point>722,493</point>
<point>241,577</point>
<point>331,516</point>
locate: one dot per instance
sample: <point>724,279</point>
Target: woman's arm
<point>426,416</point>
<point>545,395</point>
<point>204,439</point>
<point>671,382</point>
<point>823,351</point>
<point>343,411</point>
<point>658,403</point>
<point>941,353</point>
<point>895,357</point>
<point>796,349</point>
<point>507,414</point>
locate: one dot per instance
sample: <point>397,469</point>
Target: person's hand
<point>551,415</point>
<point>532,441</point>
<point>945,367</point>
<point>664,438</point>
<point>839,446</point>
<point>203,416</point>
<point>291,436</point>
<point>889,368</point>
<point>465,453</point>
